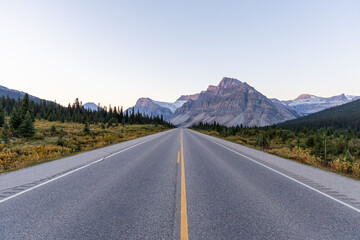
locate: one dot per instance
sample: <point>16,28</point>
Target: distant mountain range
<point>233,103</point>
<point>4,91</point>
<point>340,117</point>
<point>307,104</point>
<point>15,94</point>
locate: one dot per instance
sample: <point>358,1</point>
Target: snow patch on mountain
<point>307,103</point>
<point>172,106</point>
<point>352,97</point>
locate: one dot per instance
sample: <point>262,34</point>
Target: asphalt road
<point>140,193</point>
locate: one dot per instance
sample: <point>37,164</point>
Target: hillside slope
<point>12,93</point>
<point>340,117</point>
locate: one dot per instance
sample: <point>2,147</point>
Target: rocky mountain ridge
<point>232,103</point>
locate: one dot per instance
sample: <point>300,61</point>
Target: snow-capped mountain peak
<point>307,103</point>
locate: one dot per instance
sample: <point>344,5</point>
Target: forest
<point>34,132</point>
<point>24,111</point>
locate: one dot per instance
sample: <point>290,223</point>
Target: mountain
<point>341,117</point>
<point>186,98</point>
<point>150,107</point>
<point>4,91</point>
<point>306,104</point>
<point>171,106</point>
<point>156,108</point>
<point>90,106</point>
<point>232,103</point>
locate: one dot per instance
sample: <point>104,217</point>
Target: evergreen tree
<point>60,141</point>
<point>15,119</point>
<point>86,128</point>
<point>26,128</point>
<point>25,107</point>
<point>2,115</point>
<point>5,133</point>
<point>347,156</point>
<point>262,141</point>
<point>310,142</point>
<point>53,129</point>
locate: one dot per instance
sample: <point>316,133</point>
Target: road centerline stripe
<point>178,156</point>
<point>184,235</point>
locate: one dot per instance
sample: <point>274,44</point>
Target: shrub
<point>86,128</point>
<point>60,141</point>
<point>53,129</point>
<point>356,170</point>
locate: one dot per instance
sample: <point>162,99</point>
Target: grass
<point>276,147</point>
<point>47,144</point>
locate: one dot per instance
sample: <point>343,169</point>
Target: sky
<point>113,52</point>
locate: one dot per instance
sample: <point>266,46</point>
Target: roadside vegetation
<point>328,148</point>
<point>58,132</point>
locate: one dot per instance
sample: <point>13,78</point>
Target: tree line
<point>23,113</point>
<point>325,143</point>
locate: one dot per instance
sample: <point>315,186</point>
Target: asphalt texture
<point>135,194</point>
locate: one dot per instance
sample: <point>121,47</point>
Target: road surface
<point>177,185</point>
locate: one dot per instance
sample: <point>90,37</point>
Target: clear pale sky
<point>114,52</point>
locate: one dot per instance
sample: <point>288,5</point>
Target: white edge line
<point>75,170</point>
<point>284,175</point>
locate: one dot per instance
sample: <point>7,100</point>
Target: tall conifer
<point>26,128</point>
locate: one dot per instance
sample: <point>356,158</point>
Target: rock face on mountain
<point>188,97</point>
<point>306,104</point>
<point>232,103</point>
<point>150,107</point>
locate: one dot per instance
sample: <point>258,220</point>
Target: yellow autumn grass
<point>299,154</point>
<point>44,145</point>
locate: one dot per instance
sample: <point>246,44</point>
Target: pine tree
<point>2,115</point>
<point>26,128</point>
<point>5,133</point>
<point>86,128</point>
<point>60,141</point>
<point>53,129</point>
<point>15,119</point>
<point>25,107</point>
<point>347,156</point>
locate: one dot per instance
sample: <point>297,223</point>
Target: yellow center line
<point>184,224</point>
<point>178,157</point>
